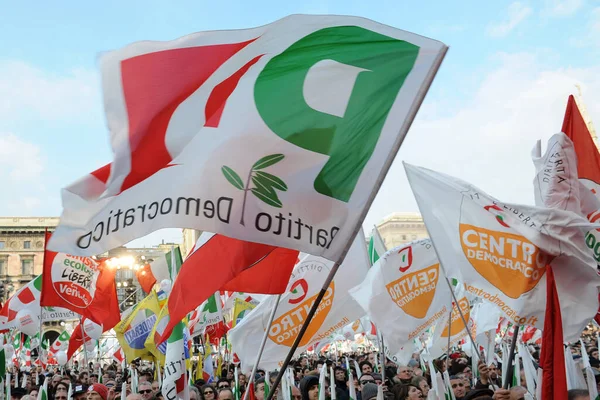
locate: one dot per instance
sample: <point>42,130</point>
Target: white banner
<point>336,310</point>
<point>219,134</point>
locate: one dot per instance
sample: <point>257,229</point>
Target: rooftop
<point>28,222</point>
<point>402,216</point>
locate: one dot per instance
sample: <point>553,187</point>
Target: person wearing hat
<point>80,392</point>
<point>369,391</point>
<point>479,394</point>
<point>97,391</point>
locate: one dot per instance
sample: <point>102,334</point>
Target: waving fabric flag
<point>376,246</point>
<point>588,168</point>
<point>232,265</point>
<point>409,280</point>
<point>278,155</point>
<point>337,309</point>
<point>158,270</point>
<point>26,298</point>
<point>175,384</point>
<point>82,285</point>
<point>501,251</point>
<point>61,342</point>
<point>133,331</point>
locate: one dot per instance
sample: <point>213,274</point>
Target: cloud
<point>20,160</point>
<point>23,176</point>
<point>30,92</point>
<point>561,8</point>
<point>489,140</point>
<point>517,12</point>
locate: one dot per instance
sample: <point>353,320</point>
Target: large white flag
<point>337,309</point>
<point>278,134</point>
<point>404,294</point>
<point>501,250</point>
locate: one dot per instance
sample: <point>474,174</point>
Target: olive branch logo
<point>264,183</point>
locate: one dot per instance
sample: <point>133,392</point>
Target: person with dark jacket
<point>309,387</point>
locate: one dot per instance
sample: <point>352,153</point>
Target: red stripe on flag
<point>218,97</point>
<point>552,358</point>
<point>154,85</point>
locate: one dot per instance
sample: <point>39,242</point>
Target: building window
<point>27,244</point>
<point>403,237</point>
<point>2,267</point>
<point>2,244</point>
<point>27,267</point>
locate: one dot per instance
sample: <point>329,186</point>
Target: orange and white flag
<point>404,294</point>
<point>501,251</point>
<point>336,310</point>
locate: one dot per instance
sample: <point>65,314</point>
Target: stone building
<point>21,250</point>
<point>401,227</point>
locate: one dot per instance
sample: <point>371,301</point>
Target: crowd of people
<point>398,382</point>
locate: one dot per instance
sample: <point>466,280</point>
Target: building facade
<point>21,250</point>
<point>401,227</point>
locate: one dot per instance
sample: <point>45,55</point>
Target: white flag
<point>501,251</point>
<point>337,309</point>
<point>221,135</point>
<point>404,294</point>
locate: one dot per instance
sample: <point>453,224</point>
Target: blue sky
<point>503,84</point>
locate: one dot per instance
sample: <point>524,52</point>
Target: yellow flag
<point>133,331</point>
<point>159,351</point>
<point>240,309</point>
<point>161,323</point>
<point>199,368</point>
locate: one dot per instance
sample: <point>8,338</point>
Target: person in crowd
<point>309,388</point>
<point>404,374</point>
<point>578,394</point>
<point>458,387</point>
<point>223,383</point>
<point>80,392</point>
<point>17,393</point>
<point>97,391</point>
<point>421,383</point>
<point>194,393</point>
<point>407,392</point>
<point>365,367</point>
<point>155,386</point>
<point>208,392</point>
<point>369,391</point>
<point>93,378</point>
<point>226,394</point>
<point>145,389</point>
<point>83,378</point>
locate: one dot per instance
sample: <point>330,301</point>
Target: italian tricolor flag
<point>175,380</point>
<point>26,297</point>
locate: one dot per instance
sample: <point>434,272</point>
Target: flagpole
<point>511,357</point>
<point>262,347</point>
<point>87,366</point>
<point>449,336</point>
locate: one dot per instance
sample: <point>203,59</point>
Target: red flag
<point>588,158</point>
<point>76,340</point>
<point>552,358</point>
<point>223,263</point>
<point>146,278</point>
<point>82,285</point>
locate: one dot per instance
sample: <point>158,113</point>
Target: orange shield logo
<point>414,292</point>
<point>286,327</point>
<point>510,262</point>
<point>457,323</point>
